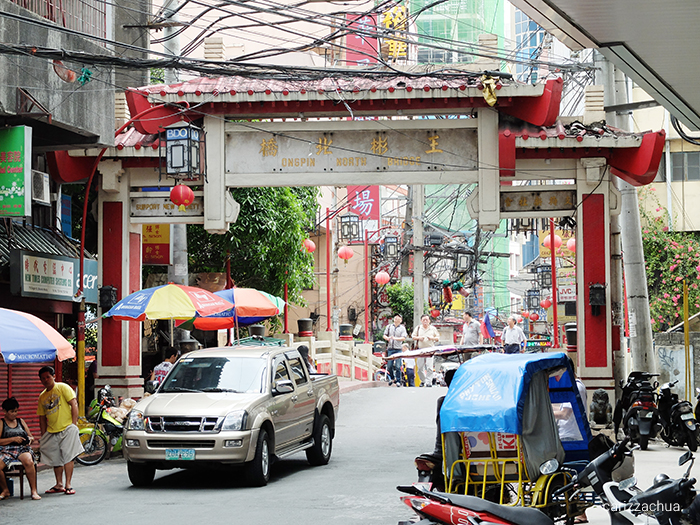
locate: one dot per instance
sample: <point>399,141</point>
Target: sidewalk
<point>349,385</point>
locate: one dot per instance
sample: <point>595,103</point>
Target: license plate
<point>648,415</point>
<point>689,415</point>
<point>179,454</point>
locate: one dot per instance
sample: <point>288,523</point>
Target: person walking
<point>513,337</point>
<point>410,364</point>
<point>471,331</point>
<point>394,335</point>
<point>58,417</point>
<point>426,335</point>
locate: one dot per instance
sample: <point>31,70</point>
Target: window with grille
<point>86,16</point>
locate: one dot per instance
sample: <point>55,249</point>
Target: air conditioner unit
<point>41,193</point>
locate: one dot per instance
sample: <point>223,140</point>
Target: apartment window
<point>685,166</point>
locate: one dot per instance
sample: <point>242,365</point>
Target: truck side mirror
<point>283,386</point>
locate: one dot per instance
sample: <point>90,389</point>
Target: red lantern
<point>435,313</point>
<point>181,196</point>
<point>571,245</point>
<point>534,316</point>
<point>548,242</point>
<point>346,253</point>
<point>545,303</point>
<point>526,313</point>
<point>464,292</point>
<point>382,277</point>
<point>309,245</point>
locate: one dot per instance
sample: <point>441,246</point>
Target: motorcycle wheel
<point>643,442</point>
<point>94,453</point>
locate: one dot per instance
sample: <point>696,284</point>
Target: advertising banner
<point>15,171</point>
<point>155,244</point>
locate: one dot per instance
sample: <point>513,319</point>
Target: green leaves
<point>670,257</point>
<point>401,302</point>
<point>265,243</point>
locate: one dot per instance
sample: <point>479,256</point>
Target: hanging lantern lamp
<point>534,316</point>
<point>382,277</point>
<point>571,245</point>
<point>309,245</point>
<point>345,253</point>
<point>181,196</point>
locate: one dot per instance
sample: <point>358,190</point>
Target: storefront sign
<point>51,276</point>
<point>162,207</point>
<point>155,242</point>
<point>15,171</point>
<point>361,45</point>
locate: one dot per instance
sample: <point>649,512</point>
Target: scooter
<point>667,502</point>
<point>641,421</point>
<point>634,382</point>
<point>679,424</point>
<point>105,435</point>
<point>454,509</point>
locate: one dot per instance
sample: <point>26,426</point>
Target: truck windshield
<point>216,374</point>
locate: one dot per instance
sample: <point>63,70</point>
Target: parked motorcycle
<point>679,424</point>
<point>105,435</point>
<point>637,409</point>
<point>454,509</point>
<point>667,502</point>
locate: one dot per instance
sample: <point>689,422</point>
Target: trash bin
<point>345,332</point>
<point>306,327</point>
<point>256,329</point>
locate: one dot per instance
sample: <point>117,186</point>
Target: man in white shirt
<point>513,337</point>
<point>471,331</point>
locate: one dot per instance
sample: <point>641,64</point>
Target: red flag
<point>484,331</point>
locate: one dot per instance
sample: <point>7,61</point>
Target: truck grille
<point>162,443</point>
<point>182,424</point>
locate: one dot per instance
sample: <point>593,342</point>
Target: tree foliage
<point>401,302</point>
<point>670,258</point>
<point>264,244</point>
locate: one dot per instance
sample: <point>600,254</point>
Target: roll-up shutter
<point>22,382</point>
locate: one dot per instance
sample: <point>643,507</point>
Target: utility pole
<point>178,270</point>
<point>628,225</point>
<point>418,264</point>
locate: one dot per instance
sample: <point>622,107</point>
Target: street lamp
<point>350,227</point>
<point>391,246</point>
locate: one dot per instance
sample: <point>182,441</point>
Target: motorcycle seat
<point>527,515</point>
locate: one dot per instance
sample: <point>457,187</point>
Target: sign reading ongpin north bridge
<point>351,151</point>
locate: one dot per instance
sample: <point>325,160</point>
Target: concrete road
<point>379,432</point>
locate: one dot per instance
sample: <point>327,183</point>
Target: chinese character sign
<point>361,43</point>
<point>155,245</point>
<point>396,20</point>
<point>365,202</point>
<point>15,171</point>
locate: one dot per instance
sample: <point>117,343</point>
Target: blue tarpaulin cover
<point>488,392</point>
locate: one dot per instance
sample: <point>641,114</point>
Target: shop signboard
<point>15,171</point>
<point>46,276</point>
<point>156,245</point>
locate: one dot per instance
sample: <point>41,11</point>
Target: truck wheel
<point>258,470</point>
<point>140,474</point>
<point>320,453</point>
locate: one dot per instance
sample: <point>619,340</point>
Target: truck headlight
<point>135,421</point>
<point>235,420</point>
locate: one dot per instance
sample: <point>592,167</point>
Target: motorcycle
<point>667,502</point>
<point>679,426</point>
<point>455,509</point>
<point>105,435</point>
<point>638,410</point>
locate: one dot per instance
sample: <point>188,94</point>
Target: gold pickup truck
<point>234,405</point>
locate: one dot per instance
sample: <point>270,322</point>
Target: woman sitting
<point>15,439</point>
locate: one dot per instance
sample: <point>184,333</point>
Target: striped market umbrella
<point>169,301</point>
<point>250,306</point>
<point>25,338</point>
